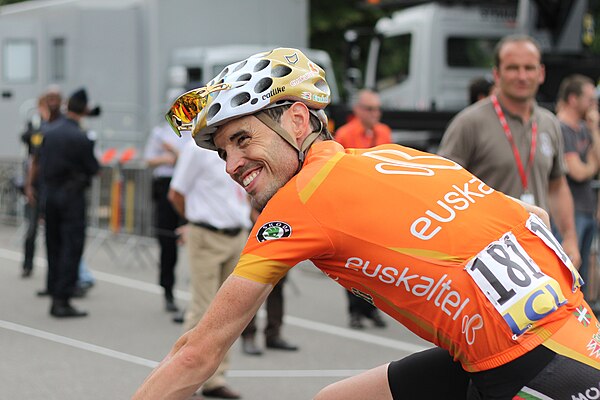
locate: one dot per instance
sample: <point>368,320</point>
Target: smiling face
<point>256,157</point>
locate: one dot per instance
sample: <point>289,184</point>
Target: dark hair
<point>517,37</point>
<point>78,102</point>
<point>315,123</point>
<point>573,84</point>
<point>480,87</point>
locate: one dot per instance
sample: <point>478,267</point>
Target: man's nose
<point>233,163</point>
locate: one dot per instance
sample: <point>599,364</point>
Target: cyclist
<point>471,270</point>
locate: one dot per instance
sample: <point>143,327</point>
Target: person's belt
<point>223,231</point>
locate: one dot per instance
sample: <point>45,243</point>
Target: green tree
<point>329,20</point>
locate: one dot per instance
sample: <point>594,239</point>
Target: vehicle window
<point>18,61</point>
<point>194,74</point>
<point>467,52</point>
<point>58,60</point>
<point>393,61</point>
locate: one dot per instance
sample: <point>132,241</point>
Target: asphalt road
<point>109,353</point>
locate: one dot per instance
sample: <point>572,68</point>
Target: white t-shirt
<point>155,147</point>
<point>211,196</point>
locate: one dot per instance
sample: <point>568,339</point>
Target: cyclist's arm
<point>540,212</point>
<point>197,354</point>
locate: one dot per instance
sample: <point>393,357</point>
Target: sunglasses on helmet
<point>187,106</point>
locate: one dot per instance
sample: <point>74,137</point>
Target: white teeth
<point>248,180</point>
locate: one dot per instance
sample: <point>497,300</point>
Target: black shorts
<point>433,374</point>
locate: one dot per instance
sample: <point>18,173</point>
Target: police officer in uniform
<point>66,164</point>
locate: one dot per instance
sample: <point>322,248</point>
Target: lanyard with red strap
<point>522,171</point>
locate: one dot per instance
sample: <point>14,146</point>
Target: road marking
<point>351,334</point>
<point>267,373</point>
<point>77,344</point>
<point>288,319</point>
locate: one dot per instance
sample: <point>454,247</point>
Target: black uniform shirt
<point>66,154</point>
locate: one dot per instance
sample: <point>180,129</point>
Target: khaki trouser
<point>212,258</point>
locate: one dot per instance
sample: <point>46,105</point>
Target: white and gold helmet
<point>261,81</point>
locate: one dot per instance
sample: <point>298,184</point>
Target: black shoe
<point>280,344</point>
<point>377,320</point>
<point>178,318</point>
<point>26,273</point>
<point>249,347</point>
<point>42,293</point>
<point>355,322</point>
<point>170,305</point>
<point>65,310</point>
<point>222,392</point>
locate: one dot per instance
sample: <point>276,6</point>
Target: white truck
<point>422,58</point>
<point>131,55</point>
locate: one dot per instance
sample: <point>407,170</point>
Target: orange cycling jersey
<point>425,241</point>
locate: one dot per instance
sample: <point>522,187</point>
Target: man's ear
<point>299,119</point>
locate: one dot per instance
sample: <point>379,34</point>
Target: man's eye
<point>243,140</point>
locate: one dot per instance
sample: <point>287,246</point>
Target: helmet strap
<point>277,128</point>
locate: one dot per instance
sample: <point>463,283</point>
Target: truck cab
<point>423,57</point>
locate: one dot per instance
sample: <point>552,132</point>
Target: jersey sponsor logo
<point>273,230</point>
<point>594,345</point>
<point>397,162</point>
<point>438,291</point>
<point>592,393</point>
<point>458,199</point>
<point>514,284</point>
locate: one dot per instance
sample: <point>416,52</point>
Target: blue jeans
<point>85,275</point>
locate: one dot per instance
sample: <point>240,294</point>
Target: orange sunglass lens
<point>187,107</point>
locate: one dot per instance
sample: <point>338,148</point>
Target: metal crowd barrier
<point>120,210</point>
<point>11,199</point>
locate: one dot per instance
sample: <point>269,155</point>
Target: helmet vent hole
<point>322,86</point>
<point>244,77</point>
<point>254,101</point>
<point>262,64</point>
<point>239,99</point>
<point>223,73</point>
<point>280,71</point>
<point>263,84</point>
<point>213,110</point>
<point>240,66</point>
